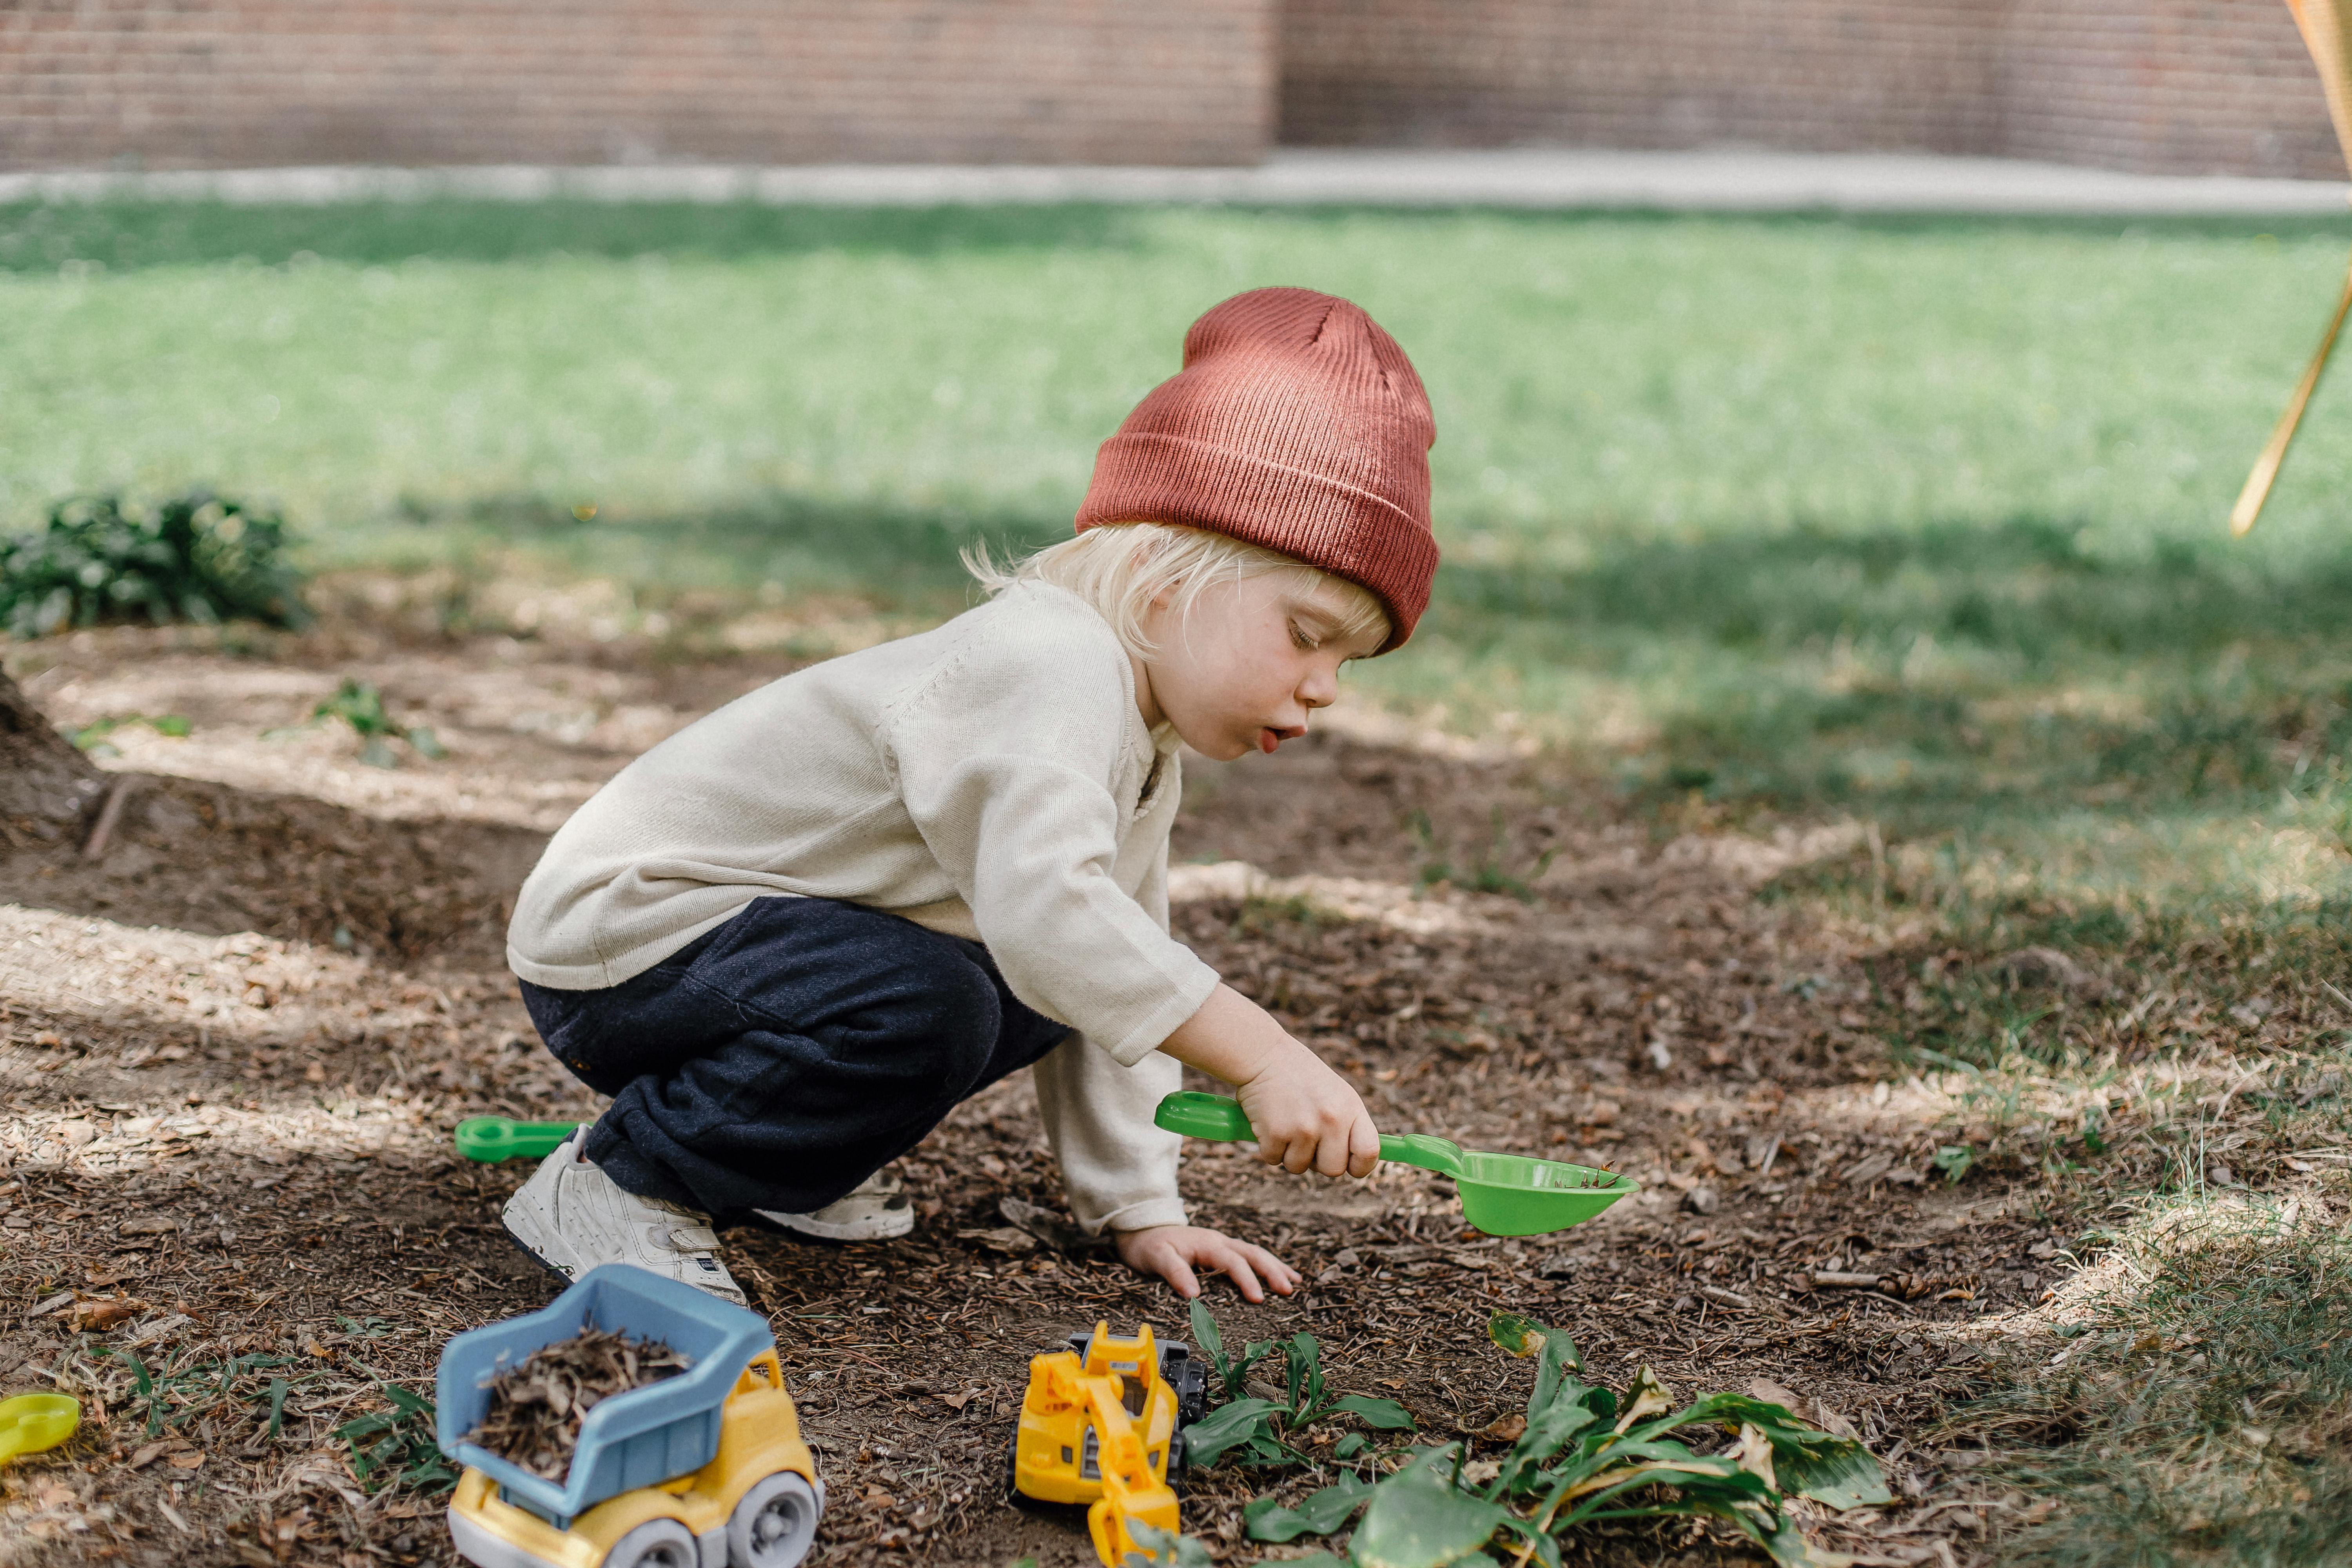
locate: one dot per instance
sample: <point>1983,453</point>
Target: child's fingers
<point>1364,1147</point>
<point>1279,1276</point>
<point>1173,1269</point>
<point>1229,1257</point>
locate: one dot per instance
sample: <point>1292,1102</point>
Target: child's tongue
<point>1267,739</point>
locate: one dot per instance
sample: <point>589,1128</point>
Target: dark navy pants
<point>781,1060</point>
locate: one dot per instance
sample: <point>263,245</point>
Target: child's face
<point>1243,669</point>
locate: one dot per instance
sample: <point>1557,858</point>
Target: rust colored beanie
<point>1298,425</point>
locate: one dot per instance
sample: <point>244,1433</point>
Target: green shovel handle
<point>1222,1119</point>
<point>490,1139</point>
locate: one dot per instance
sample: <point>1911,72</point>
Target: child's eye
<point>1304,643</point>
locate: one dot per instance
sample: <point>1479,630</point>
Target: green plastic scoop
<point>1502,1194</point>
<point>490,1139</point>
<point>33,1422</point>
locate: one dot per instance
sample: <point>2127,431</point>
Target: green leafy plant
<point>1586,1455</point>
<point>361,705</point>
<point>1255,1428</point>
<point>396,1447</point>
<point>1490,874</point>
<point>195,557</point>
<point>92,738</point>
<point>168,1395</point>
<point>1953,1160</point>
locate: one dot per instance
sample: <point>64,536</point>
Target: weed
<point>92,737</point>
<point>195,557</point>
<point>172,1396</point>
<point>396,1449</point>
<point>1490,873</point>
<point>1255,1428</point>
<point>1584,1457</point>
<point>361,705</point>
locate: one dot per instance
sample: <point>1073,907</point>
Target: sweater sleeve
<point>1117,1166</point>
<point>1003,759</point>
<point>1119,1169</point>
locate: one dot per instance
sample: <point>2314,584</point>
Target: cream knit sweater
<point>991,778</point>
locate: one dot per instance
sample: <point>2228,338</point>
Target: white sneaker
<point>876,1210</point>
<point>571,1217</point>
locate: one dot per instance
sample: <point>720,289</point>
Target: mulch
<point>239,1138</point>
<point>538,1405</point>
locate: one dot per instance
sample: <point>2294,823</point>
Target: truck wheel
<point>657,1543</point>
<point>774,1525</point>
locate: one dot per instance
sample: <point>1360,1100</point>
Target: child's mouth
<point>1267,739</point>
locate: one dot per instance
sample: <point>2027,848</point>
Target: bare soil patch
<point>233,1046</point>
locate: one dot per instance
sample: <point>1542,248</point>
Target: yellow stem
<point>2266,467</point>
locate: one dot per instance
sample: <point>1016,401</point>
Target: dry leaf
<point>536,1406</point>
<point>104,1312</point>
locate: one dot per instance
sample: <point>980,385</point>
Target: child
<point>788,940</point>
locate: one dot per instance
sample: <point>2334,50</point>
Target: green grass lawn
<point>1915,521</point>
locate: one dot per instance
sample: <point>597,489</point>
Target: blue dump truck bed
<point>640,1438</point>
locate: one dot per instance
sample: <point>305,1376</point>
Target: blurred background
<point>1794,509</point>
<point>2197,86</point>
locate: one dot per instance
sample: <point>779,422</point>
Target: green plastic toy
<point>490,1139</point>
<point>1502,1194</point>
<point>31,1423</point>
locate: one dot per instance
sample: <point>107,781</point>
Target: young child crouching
<point>790,938</point>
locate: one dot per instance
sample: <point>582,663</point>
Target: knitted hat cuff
<point>1327,522</point>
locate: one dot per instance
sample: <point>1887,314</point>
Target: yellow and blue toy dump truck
<point>1102,1425</point>
<point>704,1469</point>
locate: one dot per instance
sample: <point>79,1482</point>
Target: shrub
<point>195,557</point>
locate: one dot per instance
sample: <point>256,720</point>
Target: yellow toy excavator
<point>1102,1425</point>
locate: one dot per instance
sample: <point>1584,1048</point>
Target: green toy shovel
<point>490,1139</point>
<point>1502,1194</point>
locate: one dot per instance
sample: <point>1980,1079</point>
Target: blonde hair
<point>1122,568</point>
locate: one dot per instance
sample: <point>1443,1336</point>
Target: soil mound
<point>47,787</point>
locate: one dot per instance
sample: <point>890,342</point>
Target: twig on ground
<point>94,846</point>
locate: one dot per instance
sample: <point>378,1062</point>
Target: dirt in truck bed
<point>537,1404</point>
<point>235,1042</point>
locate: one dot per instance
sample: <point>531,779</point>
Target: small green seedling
<point>92,738</point>
<point>361,705</point>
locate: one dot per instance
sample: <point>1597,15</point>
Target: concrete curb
<point>1528,178</point>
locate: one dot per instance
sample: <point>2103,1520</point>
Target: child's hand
<point>1173,1252</point>
<point>1307,1118</point>
<point>1305,1115</point>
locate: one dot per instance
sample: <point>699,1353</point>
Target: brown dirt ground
<point>233,1046</point>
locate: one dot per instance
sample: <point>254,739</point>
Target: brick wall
<point>2159,85</point>
<point>2185,86</point>
<point>227,83</point>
